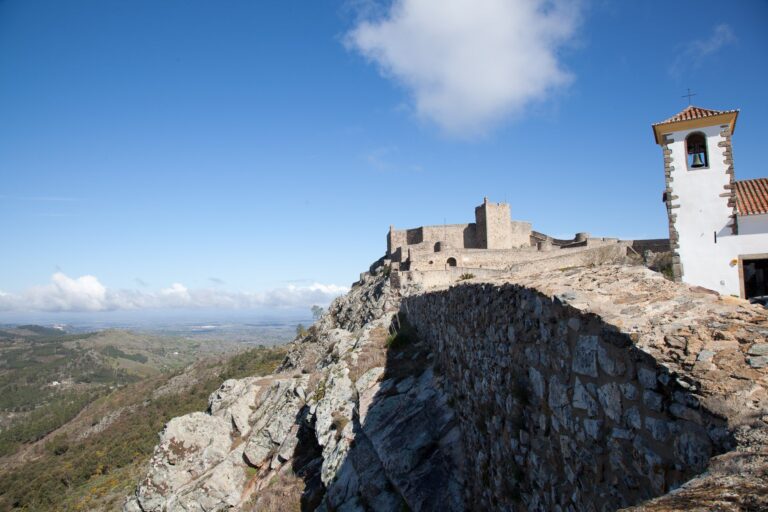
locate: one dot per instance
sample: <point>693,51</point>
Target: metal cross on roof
<point>689,96</point>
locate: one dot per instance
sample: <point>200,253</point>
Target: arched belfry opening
<point>451,262</point>
<point>696,149</point>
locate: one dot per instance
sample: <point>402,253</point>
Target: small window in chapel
<point>696,148</point>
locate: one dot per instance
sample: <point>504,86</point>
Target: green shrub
<point>113,351</point>
<point>256,361</point>
<point>46,419</point>
<point>319,392</point>
<point>465,276</point>
<point>402,333</point>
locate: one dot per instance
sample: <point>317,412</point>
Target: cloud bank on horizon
<point>469,64</point>
<point>87,294</point>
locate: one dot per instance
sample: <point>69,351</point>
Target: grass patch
<point>406,354</point>
<point>256,361</point>
<point>319,392</point>
<point>401,334</point>
<point>465,276</point>
<point>283,494</point>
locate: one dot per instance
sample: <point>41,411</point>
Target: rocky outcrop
<point>333,416</point>
<point>579,389</point>
<point>200,463</point>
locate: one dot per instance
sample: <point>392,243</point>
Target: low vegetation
<point>283,494</point>
<point>37,424</point>
<point>402,333</point>
<point>84,442</point>
<point>406,354</point>
<point>372,355</point>
<point>112,351</point>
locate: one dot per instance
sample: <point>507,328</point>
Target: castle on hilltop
<point>483,242</point>
<point>492,245</point>
<point>718,226</point>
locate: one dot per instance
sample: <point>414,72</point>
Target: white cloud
<point>86,293</point>
<point>470,63</point>
<point>692,54</point>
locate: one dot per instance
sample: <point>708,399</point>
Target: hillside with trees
<point>80,413</point>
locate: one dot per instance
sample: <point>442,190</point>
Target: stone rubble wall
<point>561,410</point>
<point>498,263</point>
<point>585,388</point>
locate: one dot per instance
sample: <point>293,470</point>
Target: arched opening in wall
<point>696,150</point>
<point>451,262</point>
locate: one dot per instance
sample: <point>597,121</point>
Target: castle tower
<point>494,225</point>
<point>700,195</point>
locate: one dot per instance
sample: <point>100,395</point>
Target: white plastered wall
<point>753,224</point>
<point>708,250</point>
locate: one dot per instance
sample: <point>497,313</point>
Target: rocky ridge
<point>334,419</point>
<point>353,420</point>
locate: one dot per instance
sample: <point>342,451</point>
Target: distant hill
<point>80,413</point>
<point>47,375</point>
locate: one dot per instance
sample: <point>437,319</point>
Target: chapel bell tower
<point>700,196</point>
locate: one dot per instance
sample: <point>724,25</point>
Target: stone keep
<point>493,230</point>
<point>494,227</point>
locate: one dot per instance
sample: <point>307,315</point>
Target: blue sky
<point>258,151</point>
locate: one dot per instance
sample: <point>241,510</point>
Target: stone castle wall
<point>493,229</point>
<point>560,410</point>
<point>491,263</point>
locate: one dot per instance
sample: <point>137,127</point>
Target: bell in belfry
<point>697,150</point>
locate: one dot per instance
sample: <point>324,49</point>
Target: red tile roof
<point>692,112</point>
<point>752,196</point>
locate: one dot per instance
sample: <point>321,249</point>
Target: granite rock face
<point>191,447</point>
<point>332,415</point>
<point>582,389</point>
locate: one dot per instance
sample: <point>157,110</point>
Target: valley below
<point>600,387</point>
<point>80,412</point>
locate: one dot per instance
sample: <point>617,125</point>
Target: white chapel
<point>718,226</point>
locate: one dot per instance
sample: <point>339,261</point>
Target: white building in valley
<point>718,227</point>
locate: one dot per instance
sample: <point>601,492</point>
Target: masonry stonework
<point>562,409</point>
<point>669,197</point>
<point>493,242</point>
<point>730,187</point>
